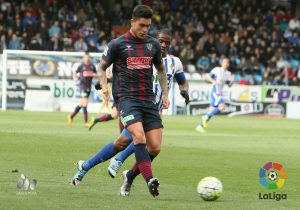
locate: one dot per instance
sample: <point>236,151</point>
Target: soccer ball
<point>210,188</point>
<point>273,175</point>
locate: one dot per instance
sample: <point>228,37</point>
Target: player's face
<point>86,59</point>
<point>164,41</point>
<point>140,27</point>
<point>225,64</point>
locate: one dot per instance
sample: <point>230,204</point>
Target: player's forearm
<point>231,81</point>
<point>184,86</point>
<point>74,76</point>
<point>101,71</point>
<point>162,79</point>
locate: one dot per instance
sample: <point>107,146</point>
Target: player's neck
<point>133,35</point>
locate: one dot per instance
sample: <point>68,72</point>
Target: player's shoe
<point>87,125</point>
<point>126,186</point>
<point>92,123</point>
<point>114,167</point>
<point>199,128</point>
<point>69,120</point>
<point>204,121</point>
<point>77,178</point>
<point>153,185</point>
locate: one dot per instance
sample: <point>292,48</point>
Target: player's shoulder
<point>118,40</point>
<point>173,57</point>
<point>217,68</point>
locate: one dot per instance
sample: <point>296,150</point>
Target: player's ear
<point>132,21</point>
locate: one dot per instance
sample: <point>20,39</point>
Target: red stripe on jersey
<point>118,67</point>
<point>130,71</point>
<point>140,53</point>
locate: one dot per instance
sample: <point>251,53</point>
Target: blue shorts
<point>134,110</point>
<point>215,99</point>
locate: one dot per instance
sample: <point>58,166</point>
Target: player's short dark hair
<point>164,31</point>
<point>142,11</point>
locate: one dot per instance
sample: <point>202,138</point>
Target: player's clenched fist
<point>165,102</point>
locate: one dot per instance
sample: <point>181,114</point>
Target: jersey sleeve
<point>179,73</point>
<point>78,69</point>
<point>157,59</point>
<point>94,68</point>
<point>109,53</point>
<point>213,73</point>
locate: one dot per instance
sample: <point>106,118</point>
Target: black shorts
<point>133,110</point>
<point>85,93</point>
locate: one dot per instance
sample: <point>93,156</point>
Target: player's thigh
<point>211,108</point>
<point>221,106</point>
<point>154,139</point>
<point>137,132</point>
<point>215,99</point>
<point>114,112</point>
<point>84,101</point>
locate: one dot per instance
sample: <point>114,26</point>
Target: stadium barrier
<point>27,74</point>
<point>293,110</point>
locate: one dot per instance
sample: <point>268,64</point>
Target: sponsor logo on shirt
<point>139,62</point>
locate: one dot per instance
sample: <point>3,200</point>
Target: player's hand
<point>105,95</point>
<point>165,102</point>
<point>98,86</point>
<point>186,96</point>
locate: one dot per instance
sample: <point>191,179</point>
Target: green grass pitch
<point>41,146</point>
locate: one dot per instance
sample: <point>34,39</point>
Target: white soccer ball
<point>210,188</point>
<point>273,175</point>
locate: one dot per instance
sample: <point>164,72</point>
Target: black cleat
<point>153,185</point>
<point>91,126</point>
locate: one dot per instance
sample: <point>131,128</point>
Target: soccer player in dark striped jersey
<point>86,71</point>
<point>133,55</point>
<point>174,68</point>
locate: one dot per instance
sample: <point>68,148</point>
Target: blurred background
<point>261,38</point>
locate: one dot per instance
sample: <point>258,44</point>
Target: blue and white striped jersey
<point>174,68</point>
<point>222,76</point>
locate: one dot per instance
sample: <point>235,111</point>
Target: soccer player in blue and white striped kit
<point>218,77</point>
<point>174,68</point>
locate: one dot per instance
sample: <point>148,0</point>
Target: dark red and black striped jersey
<point>133,61</point>
<point>86,73</point>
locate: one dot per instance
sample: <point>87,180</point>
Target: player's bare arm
<point>231,81</point>
<point>75,77</point>
<point>101,70</point>
<point>184,89</point>
<point>162,79</point>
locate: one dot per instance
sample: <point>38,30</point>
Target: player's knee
<point>121,143</point>
<point>118,145</point>
<point>221,107</point>
<point>139,137</point>
<point>154,149</point>
<point>114,115</point>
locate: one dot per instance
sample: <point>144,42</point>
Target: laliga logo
<point>272,177</point>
